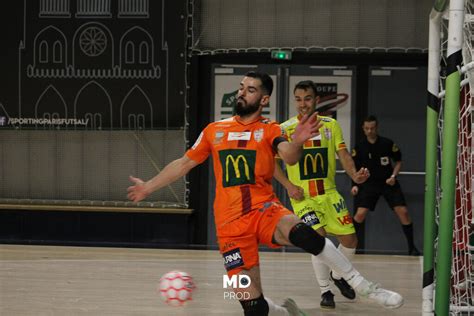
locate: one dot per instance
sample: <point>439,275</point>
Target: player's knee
<point>255,307</point>
<point>303,236</point>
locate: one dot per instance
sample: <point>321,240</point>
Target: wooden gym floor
<point>46,280</point>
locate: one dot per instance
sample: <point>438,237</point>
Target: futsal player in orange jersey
<point>247,212</point>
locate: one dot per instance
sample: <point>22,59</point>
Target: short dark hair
<point>371,118</point>
<point>267,81</point>
<point>305,85</point>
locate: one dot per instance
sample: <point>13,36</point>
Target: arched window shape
<point>129,53</point>
<point>142,46</point>
<point>136,110</point>
<point>57,52</point>
<point>50,47</point>
<point>43,52</point>
<point>132,121</point>
<point>97,120</point>
<point>50,101</point>
<point>100,114</point>
<point>141,121</point>
<point>143,53</point>
<point>90,120</point>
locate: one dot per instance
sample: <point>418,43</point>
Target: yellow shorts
<point>328,211</point>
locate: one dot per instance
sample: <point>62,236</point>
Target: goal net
<point>461,274</point>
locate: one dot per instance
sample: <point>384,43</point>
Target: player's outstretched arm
<point>295,192</point>
<point>349,166</point>
<point>172,172</point>
<point>307,128</point>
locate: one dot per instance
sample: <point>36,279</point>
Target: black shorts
<point>369,194</point>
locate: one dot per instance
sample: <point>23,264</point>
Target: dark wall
<point>102,229</point>
<point>120,69</point>
<point>96,68</point>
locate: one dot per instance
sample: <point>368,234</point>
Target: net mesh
<point>87,167</point>
<point>223,26</point>
<point>462,271</point>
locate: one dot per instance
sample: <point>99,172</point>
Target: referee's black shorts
<point>370,192</point>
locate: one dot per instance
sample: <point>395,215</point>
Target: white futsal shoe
<point>292,308</point>
<point>386,298</point>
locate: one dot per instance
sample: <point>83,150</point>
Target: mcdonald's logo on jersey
<point>238,166</point>
<point>314,163</point>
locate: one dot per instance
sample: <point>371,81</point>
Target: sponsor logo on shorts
<point>266,205</point>
<point>310,218</point>
<point>228,245</point>
<point>233,259</point>
<point>346,220</point>
<point>340,206</point>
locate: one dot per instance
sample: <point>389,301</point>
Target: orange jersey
<point>243,157</point>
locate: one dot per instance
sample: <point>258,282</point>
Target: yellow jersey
<point>316,170</point>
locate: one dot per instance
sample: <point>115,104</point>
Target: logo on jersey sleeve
<point>238,166</point>
<point>395,148</point>
<point>219,135</point>
<point>314,163</point>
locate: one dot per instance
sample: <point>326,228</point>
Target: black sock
<point>408,231</point>
<point>360,233</point>
<point>255,307</point>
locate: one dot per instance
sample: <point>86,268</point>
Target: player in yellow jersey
<point>312,188</point>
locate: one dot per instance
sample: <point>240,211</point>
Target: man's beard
<point>243,109</point>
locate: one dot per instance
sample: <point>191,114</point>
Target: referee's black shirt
<point>376,157</point>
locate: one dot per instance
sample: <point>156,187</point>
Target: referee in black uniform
<point>377,153</point>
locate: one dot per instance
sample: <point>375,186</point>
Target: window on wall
<point>133,8</point>
<point>57,52</point>
<point>143,53</point>
<point>129,53</point>
<point>141,121</point>
<point>43,52</point>
<point>97,120</point>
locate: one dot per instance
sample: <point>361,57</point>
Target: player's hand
<point>391,181</point>
<point>361,176</point>
<point>137,192</point>
<point>295,192</point>
<point>307,128</point>
<point>355,190</point>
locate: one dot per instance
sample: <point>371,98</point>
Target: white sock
<point>348,253</point>
<point>322,274</point>
<point>276,310</point>
<point>340,264</point>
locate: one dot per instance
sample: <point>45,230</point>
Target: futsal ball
<point>176,288</point>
